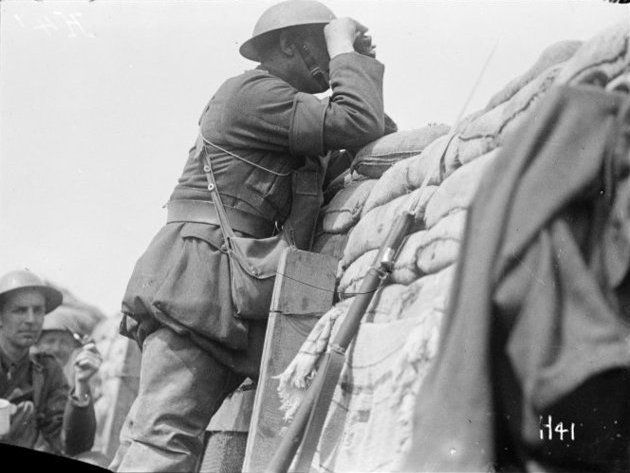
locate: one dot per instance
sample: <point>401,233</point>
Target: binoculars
<point>363,45</point>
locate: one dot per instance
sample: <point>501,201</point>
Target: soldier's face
<point>22,317</point>
<point>58,343</point>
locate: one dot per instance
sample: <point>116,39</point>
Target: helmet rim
<point>23,279</point>
<point>284,15</point>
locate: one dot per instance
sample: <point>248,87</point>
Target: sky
<point>99,103</point>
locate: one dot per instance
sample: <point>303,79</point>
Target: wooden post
<point>303,292</point>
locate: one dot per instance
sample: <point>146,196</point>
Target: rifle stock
<point>309,419</point>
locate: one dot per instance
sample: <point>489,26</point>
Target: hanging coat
<point>538,323</point>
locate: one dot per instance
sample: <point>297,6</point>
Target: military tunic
<point>178,304</point>
<point>61,424</point>
<point>182,280</point>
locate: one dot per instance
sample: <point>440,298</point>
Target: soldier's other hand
<point>341,33</point>
<point>21,415</point>
<point>87,362</point>
<point>363,45</point>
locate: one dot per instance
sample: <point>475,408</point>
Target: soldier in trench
<point>261,126</point>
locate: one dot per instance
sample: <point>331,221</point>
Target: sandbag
<point>392,184</point>
<point>449,227</point>
<point>344,209</point>
<point>437,255</point>
<point>428,293</point>
<point>404,270</point>
<point>408,175</point>
<point>423,252</point>
<point>331,244</point>
<point>488,131</point>
<point>606,54</point>
<point>432,169</point>
<point>343,180</point>
<point>464,122</point>
<point>555,54</point>
<point>376,157</point>
<point>457,190</point>
<point>439,246</point>
<point>370,232</point>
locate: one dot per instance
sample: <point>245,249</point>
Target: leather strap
<point>203,211</point>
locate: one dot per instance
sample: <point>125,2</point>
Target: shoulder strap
<point>240,158</point>
<point>224,222</point>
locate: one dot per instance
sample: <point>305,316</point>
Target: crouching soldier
<point>46,415</point>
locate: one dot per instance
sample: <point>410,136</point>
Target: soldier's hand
<point>87,362</point>
<point>341,33</point>
<point>363,45</point>
<point>21,416</point>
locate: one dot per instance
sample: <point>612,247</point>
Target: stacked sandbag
<point>369,425</point>
<point>346,195</point>
<point>341,213</point>
<point>601,59</point>
<point>555,54</point>
<point>375,158</point>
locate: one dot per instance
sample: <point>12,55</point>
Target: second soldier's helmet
<point>24,279</point>
<point>283,15</point>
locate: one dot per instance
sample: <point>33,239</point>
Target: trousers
<point>181,388</point>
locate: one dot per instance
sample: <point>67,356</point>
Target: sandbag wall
<point>434,172</point>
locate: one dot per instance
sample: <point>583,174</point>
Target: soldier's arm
<point>268,113</point>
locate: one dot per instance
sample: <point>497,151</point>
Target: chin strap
<point>311,64</point>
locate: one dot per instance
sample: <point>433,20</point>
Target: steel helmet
<point>283,15</point>
<point>63,318</point>
<point>24,279</point>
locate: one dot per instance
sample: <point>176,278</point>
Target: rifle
<point>309,419</point>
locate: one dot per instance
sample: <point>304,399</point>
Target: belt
<point>204,211</point>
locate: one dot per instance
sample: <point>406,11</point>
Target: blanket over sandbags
<point>381,377</point>
<point>344,209</point>
<point>375,158</point>
<point>387,305</point>
<point>377,380</point>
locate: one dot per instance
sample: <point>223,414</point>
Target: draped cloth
<point>539,309</point>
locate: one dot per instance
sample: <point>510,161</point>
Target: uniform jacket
<point>61,424</point>
<point>182,280</point>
